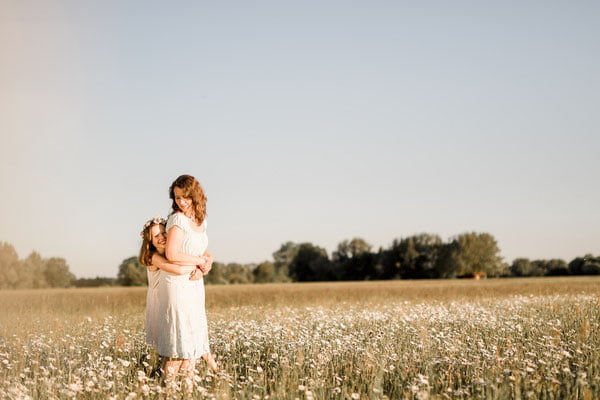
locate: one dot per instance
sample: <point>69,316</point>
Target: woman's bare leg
<point>212,364</point>
<point>171,367</point>
<point>188,369</point>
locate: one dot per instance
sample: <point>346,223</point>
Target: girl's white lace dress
<point>152,308</point>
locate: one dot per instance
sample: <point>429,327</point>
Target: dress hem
<point>184,357</point>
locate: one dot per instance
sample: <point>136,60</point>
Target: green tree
<point>347,249</point>
<point>283,258</point>
<point>310,264</point>
<point>9,264</point>
<point>575,266</point>
<point>540,268</point>
<point>353,260</point>
<point>388,263</point>
<point>265,272</point>
<point>57,274</point>
<point>557,267</point>
<point>132,273</point>
<point>237,273</point>
<point>586,265</point>
<point>470,253</point>
<point>591,267</point>
<point>216,275</point>
<point>95,282</point>
<point>31,272</point>
<point>413,257</point>
<point>523,267</point>
<point>422,259</point>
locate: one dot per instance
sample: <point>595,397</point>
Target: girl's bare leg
<point>212,364</point>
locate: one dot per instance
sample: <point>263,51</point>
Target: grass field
<point>491,339</point>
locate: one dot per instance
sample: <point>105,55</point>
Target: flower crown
<point>153,221</point>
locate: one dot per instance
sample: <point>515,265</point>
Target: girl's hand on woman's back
<point>208,264</point>
<point>202,265</point>
<point>196,275</point>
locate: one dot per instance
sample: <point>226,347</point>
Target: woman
<point>184,336</point>
<point>152,255</point>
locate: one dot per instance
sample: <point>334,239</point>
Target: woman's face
<point>159,237</point>
<point>184,203</point>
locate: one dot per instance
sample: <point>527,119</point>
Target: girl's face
<point>159,237</point>
<point>184,203</point>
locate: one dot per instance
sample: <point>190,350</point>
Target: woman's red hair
<point>192,189</point>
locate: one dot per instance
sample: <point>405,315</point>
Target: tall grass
<point>496,339</point>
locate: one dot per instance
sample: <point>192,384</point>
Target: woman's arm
<point>173,250</point>
<point>159,261</point>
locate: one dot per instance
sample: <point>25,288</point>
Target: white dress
<point>182,325</point>
<point>152,308</point>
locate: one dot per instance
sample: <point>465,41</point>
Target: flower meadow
<point>495,339</point>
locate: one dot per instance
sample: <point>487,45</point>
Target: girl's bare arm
<point>164,264</point>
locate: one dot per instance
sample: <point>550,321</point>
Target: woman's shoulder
<point>177,219</point>
<point>177,215</point>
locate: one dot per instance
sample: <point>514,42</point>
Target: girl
<point>152,255</point>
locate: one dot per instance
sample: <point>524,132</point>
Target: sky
<point>311,121</point>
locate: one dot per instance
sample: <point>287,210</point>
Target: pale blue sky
<point>306,121</point>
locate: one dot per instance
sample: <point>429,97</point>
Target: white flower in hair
<point>154,221</point>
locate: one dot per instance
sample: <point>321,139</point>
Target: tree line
<point>36,272</point>
<point>32,272</point>
<point>421,256</point>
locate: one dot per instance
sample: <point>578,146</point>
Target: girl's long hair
<point>192,189</point>
<point>148,249</point>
